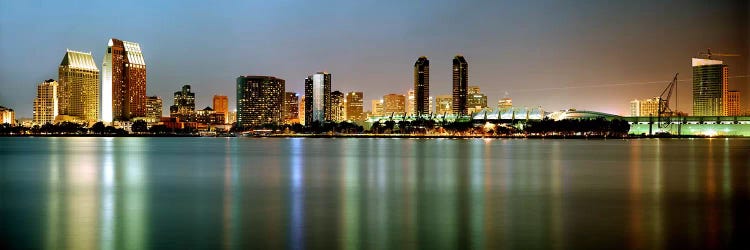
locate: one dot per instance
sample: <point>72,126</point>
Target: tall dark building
<point>422,86</point>
<point>291,107</point>
<point>460,85</point>
<point>184,105</point>
<point>260,100</point>
<point>123,81</point>
<point>318,98</point>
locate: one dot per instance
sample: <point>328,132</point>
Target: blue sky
<point>534,50</point>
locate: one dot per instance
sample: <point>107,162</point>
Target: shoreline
<point>394,136</point>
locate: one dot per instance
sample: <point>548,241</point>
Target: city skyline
<point>522,64</point>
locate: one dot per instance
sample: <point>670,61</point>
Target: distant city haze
<point>590,55</point>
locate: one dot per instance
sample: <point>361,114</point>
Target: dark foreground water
<point>193,193</point>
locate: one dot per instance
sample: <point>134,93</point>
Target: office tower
<point>635,108</point>
<point>377,107</point>
<point>710,80</point>
<point>318,98</point>
<point>301,111</point>
<point>209,116</point>
<point>46,106</point>
<point>410,104</point>
<point>260,100</point>
<point>354,106</point>
<point>153,107</point>
<point>78,86</point>
<point>505,102</point>
<point>444,104</point>
<point>123,82</point>
<point>394,103</point>
<point>8,116</point>
<point>184,105</point>
<point>291,107</point>
<point>220,104</point>
<point>337,106</point>
<point>733,103</point>
<point>422,86</point>
<point>231,117</point>
<point>476,100</point>
<point>460,85</point>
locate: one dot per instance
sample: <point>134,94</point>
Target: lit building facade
<point>260,100</point>
<point>460,85</point>
<point>78,86</point>
<point>733,103</point>
<point>710,80</point>
<point>338,114</point>
<point>505,102</point>
<point>184,105</point>
<point>444,104</point>
<point>646,107</point>
<point>635,108</point>
<point>421,86</point>
<point>410,104</point>
<point>476,100</point>
<point>354,106</point>
<point>46,106</point>
<point>221,106</point>
<point>291,107</point>
<point>301,111</point>
<point>377,107</point>
<point>7,116</point>
<point>154,107</point>
<point>394,103</point>
<point>318,98</point>
<point>123,82</point>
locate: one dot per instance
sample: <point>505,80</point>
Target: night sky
<point>539,52</point>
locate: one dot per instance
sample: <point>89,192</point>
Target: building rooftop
<point>79,60</point>
<point>705,62</point>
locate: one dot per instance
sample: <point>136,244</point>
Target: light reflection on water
<point>232,193</point>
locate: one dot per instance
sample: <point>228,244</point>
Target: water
<point>225,193</point>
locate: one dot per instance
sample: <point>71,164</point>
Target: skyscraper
<point>301,112</point>
<point>154,108</point>
<point>123,81</point>
<point>46,106</point>
<point>410,104</point>
<point>221,106</point>
<point>260,100</point>
<point>184,105</point>
<point>422,86</point>
<point>394,103</point>
<point>444,104</point>
<point>354,106</point>
<point>460,85</point>
<point>318,98</point>
<point>78,89</point>
<point>476,100</point>
<point>337,106</point>
<point>709,86</point>
<point>733,103</point>
<point>291,107</point>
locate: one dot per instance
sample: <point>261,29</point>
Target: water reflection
<point>135,193</point>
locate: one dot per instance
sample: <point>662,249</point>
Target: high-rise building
<point>377,107</point>
<point>421,86</point>
<point>7,116</point>
<point>260,100</point>
<point>354,106</point>
<point>460,85</point>
<point>505,102</point>
<point>301,111</point>
<point>46,106</point>
<point>318,98</point>
<point>78,89</point>
<point>184,105</point>
<point>394,103</point>
<point>338,114</point>
<point>153,107</point>
<point>476,100</point>
<point>221,106</point>
<point>410,104</point>
<point>291,107</point>
<point>635,108</point>
<point>231,117</point>
<point>710,80</point>
<point>733,103</point>
<point>123,81</point>
<point>646,107</point>
<point>444,104</point>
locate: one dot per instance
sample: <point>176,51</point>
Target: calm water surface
<point>136,193</point>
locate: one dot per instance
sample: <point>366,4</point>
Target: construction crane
<point>665,112</point>
<point>709,54</point>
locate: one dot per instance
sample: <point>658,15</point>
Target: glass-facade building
<point>78,90</point>
<point>123,82</point>
<point>154,108</point>
<point>318,98</point>
<point>460,85</point>
<point>422,86</point>
<point>184,105</point>
<point>709,86</point>
<point>260,100</point>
